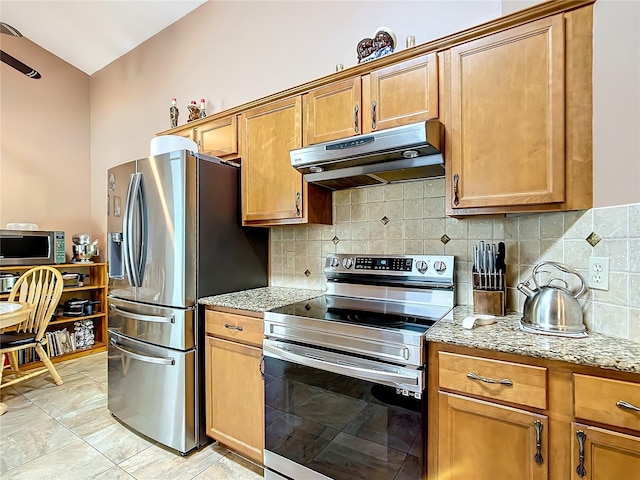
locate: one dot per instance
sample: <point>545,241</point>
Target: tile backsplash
<point>408,218</point>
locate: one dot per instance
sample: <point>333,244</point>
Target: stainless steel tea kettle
<point>553,308</point>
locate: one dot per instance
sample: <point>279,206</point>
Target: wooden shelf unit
<point>94,288</point>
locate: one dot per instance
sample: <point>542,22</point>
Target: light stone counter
<point>260,299</point>
<point>505,336</point>
<point>595,350</point>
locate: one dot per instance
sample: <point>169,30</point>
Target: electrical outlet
<point>290,260</point>
<point>598,273</point>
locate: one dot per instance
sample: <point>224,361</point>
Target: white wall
<point>234,52</point>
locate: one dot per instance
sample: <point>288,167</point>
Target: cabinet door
<point>235,401</point>
<point>271,188</point>
<point>507,118</point>
<point>603,454</point>
<point>400,94</point>
<point>487,441</point>
<point>218,137</point>
<point>332,112</point>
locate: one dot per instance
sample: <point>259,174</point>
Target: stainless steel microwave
<point>31,247</point>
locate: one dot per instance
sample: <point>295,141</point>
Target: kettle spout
<point>524,288</point>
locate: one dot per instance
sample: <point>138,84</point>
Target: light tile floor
<point>66,432</point>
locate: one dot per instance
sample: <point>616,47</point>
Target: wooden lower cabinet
<point>486,441</point>
<point>480,429</point>
<point>234,396</point>
<point>602,454</point>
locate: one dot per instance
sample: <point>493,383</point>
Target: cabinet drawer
<point>237,328</point>
<point>597,399</point>
<point>480,376</point>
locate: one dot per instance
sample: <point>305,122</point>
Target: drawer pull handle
<point>627,406</point>
<point>538,426</point>
<point>580,470</point>
<point>356,127</point>
<point>233,327</point>
<point>504,381</point>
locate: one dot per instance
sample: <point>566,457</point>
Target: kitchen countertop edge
<point>260,299</point>
<point>505,336</point>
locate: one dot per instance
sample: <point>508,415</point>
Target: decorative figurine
<point>382,43</point>
<point>202,112</point>
<point>173,113</point>
<point>194,111</point>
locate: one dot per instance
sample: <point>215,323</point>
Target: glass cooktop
<point>386,314</point>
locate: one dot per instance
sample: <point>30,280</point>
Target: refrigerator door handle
<point>144,318</point>
<point>141,241</point>
<point>127,230</point>
<point>142,358</point>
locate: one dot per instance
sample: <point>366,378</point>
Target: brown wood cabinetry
<point>514,95</point>
<point>215,137</point>
<point>234,384</point>
<point>93,287</point>
<point>273,192</point>
<point>486,441</point>
<point>518,116</point>
<point>496,415</point>
<point>387,97</point>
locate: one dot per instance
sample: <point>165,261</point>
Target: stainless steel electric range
<point>345,373</point>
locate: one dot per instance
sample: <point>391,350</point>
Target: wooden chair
<point>42,288</point>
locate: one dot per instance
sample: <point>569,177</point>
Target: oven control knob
<point>347,263</point>
<point>335,262</point>
<point>440,266</point>
<point>422,266</point>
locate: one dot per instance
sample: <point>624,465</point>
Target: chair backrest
<point>42,288</point>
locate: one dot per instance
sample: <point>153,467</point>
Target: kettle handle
<point>564,268</point>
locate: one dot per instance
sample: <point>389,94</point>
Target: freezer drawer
<point>163,326</point>
<point>153,390</point>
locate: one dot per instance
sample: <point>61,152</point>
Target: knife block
<point>487,298</point>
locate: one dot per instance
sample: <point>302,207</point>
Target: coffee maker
<point>83,248</point>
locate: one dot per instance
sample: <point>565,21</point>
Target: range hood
<point>409,152</point>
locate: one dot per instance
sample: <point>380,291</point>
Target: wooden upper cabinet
<point>218,138</point>
<point>273,192</point>
<point>507,119</point>
<point>332,112</point>
<point>399,94</point>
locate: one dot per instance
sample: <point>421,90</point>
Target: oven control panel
<point>427,266</point>
<point>379,263</point>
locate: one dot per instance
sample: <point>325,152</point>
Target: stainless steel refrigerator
<point>174,235</point>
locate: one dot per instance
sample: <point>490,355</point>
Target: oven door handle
<point>364,373</point>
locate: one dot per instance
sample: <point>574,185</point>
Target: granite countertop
<point>505,336</point>
<point>595,350</point>
<point>261,299</point>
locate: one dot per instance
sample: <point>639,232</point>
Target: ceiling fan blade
<point>18,65</point>
<point>9,30</point>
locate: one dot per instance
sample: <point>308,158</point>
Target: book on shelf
<point>59,342</point>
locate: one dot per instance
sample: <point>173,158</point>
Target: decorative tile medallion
<point>335,240</point>
<point>445,239</point>
<point>384,220</point>
<point>307,273</point>
<point>593,239</point>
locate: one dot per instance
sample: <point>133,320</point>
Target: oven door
<point>335,416</point>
